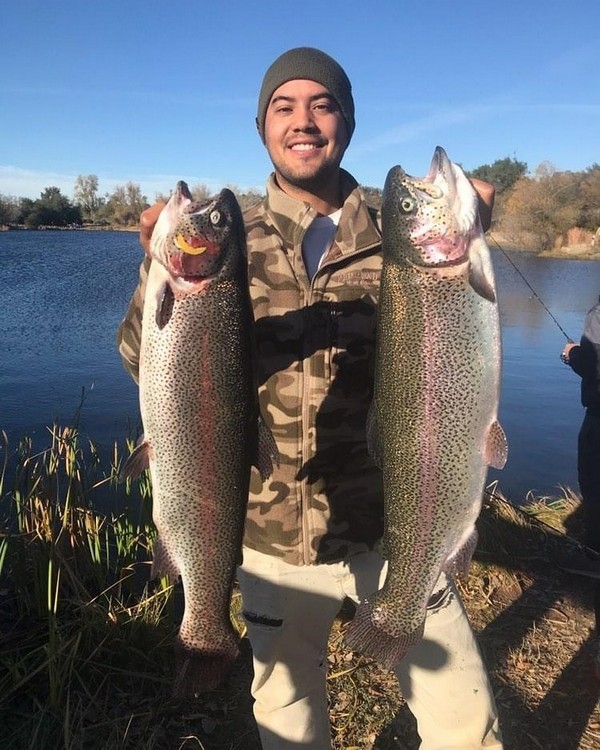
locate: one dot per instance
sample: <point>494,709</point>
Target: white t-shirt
<point>317,240</point>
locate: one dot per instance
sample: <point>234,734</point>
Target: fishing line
<point>535,294</point>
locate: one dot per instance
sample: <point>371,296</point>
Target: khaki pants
<point>289,611</point>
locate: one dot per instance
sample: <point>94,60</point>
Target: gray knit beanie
<point>313,65</point>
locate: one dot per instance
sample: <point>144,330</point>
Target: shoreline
<point>566,252</point>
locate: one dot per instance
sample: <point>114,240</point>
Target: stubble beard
<point>313,180</point>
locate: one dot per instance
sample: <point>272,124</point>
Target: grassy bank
<point>86,639</point>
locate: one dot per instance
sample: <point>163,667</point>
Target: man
<point>314,264</point>
<point>584,359</point>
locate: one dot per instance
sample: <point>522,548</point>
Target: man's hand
<point>147,221</point>
<point>486,193</point>
<point>564,355</point>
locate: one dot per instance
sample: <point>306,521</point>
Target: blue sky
<point>154,92</point>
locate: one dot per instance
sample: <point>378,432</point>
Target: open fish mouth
<point>194,256</point>
<point>195,250</point>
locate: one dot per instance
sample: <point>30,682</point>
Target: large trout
<point>433,424</point>
<point>200,414</point>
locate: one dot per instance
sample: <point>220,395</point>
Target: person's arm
<point>148,219</point>
<point>582,357</point>
<point>486,193</point>
<point>129,333</point>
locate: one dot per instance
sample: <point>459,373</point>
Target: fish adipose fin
<point>137,462</point>
<point>496,446</point>
<point>364,636</point>
<point>199,671</point>
<point>481,275</point>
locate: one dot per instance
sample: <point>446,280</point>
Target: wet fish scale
<point>433,427</point>
<point>202,428</point>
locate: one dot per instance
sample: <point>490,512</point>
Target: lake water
<point>64,293</point>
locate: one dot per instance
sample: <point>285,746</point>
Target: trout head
<point>429,221</point>
<point>199,241</point>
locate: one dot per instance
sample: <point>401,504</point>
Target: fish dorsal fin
<point>481,277</point>
<point>496,446</point>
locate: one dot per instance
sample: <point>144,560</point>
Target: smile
<point>305,147</point>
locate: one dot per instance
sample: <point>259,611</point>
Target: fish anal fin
<point>137,462</point>
<point>459,562</point>
<point>163,563</point>
<point>496,446</point>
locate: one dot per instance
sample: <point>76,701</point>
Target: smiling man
<point>314,250</point>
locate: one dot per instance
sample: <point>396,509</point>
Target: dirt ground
<point>535,625</point>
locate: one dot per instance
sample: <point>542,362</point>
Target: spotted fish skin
<point>433,425</point>
<point>202,428</point>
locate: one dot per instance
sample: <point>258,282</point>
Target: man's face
<point>305,134</point>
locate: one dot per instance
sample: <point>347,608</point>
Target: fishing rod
<point>535,294</point>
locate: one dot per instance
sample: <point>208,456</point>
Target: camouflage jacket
<point>315,343</point>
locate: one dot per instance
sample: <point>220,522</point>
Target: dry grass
<point>86,641</point>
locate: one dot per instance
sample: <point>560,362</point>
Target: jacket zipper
<point>306,409</point>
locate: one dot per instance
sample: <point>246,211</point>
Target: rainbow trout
<point>432,425</point>
<point>202,428</point>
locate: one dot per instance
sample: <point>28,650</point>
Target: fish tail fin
<point>202,671</point>
<point>365,636</point>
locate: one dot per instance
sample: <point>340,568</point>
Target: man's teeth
<point>303,147</point>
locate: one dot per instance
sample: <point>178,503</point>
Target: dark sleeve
<point>583,358</point>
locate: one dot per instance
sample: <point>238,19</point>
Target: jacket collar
<point>356,230</point>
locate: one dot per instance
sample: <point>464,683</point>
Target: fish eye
<point>407,205</point>
<point>215,217</point>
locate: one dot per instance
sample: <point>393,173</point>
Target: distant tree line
<point>540,211</point>
<point>535,211</point>
<point>121,208</point>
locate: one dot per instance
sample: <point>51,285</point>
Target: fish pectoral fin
<point>267,453</point>
<point>373,439</point>
<point>138,461</point>
<point>164,307</point>
<point>496,447</point>
<point>481,276</point>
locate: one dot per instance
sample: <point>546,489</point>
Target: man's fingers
<point>486,193</point>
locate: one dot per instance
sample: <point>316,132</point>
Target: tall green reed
<point>74,578</point>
